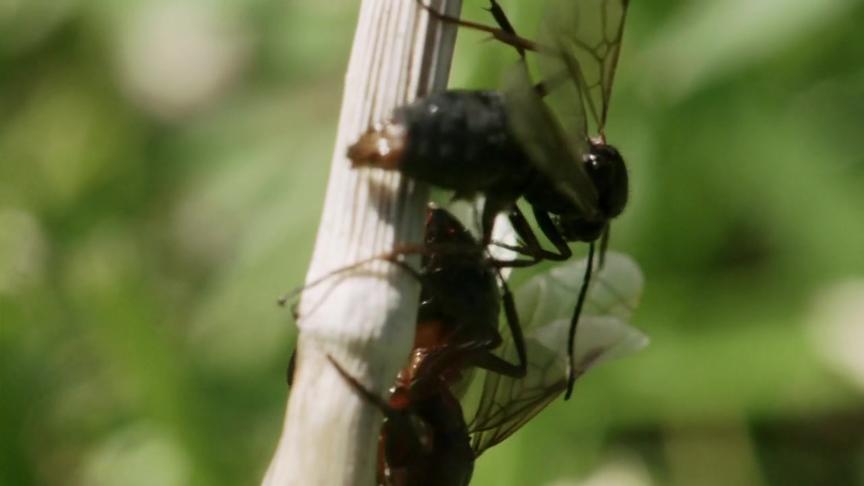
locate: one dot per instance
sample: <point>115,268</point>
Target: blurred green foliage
<point>162,166</point>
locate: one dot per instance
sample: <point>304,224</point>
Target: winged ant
<point>425,439</point>
<point>510,144</point>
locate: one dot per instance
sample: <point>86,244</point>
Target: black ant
<point>508,144</point>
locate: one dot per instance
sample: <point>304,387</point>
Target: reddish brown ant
<point>425,439</point>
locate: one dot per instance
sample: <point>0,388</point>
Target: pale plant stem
<point>363,320</point>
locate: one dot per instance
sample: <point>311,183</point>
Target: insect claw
<point>571,380</point>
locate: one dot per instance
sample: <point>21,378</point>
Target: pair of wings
<point>577,53</point>
<point>545,304</point>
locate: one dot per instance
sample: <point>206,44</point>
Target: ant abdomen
<point>455,139</point>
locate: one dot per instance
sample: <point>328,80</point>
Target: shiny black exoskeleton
<point>468,129</point>
<point>509,145</point>
<point>608,174</point>
<point>461,140</point>
<point>460,297</point>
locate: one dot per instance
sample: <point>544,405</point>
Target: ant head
<point>575,228</point>
<point>609,175</point>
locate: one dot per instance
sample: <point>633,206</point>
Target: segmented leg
<point>604,245</point>
<point>572,371</point>
<point>364,392</point>
<point>515,328</point>
<point>391,256</point>
<point>509,38</point>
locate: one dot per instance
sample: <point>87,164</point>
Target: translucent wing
<point>543,140</point>
<point>552,295</point>
<point>579,44</point>
<point>585,36</point>
<point>545,304</point>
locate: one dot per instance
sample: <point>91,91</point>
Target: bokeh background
<point>162,166</point>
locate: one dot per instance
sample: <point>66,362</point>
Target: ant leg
<point>391,256</point>
<point>543,87</point>
<point>498,264</point>
<point>530,245</point>
<point>478,353</point>
<point>400,432</point>
<point>491,208</point>
<point>572,371</point>
<point>524,232</point>
<point>489,361</point>
<point>504,23</point>
<point>364,392</point>
<point>501,17</point>
<point>548,228</point>
<point>500,34</point>
<point>514,325</point>
<point>604,245</point>
<point>507,35</point>
<point>407,268</point>
<point>494,363</point>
